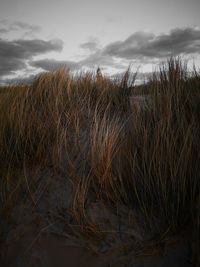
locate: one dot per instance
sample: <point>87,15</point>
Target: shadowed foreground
<point>96,172</point>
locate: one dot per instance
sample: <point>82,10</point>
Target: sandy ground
<point>40,233</point>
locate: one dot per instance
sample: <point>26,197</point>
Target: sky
<point>42,35</point>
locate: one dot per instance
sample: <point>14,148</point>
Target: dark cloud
<point>52,64</point>
<point>144,48</point>
<point>10,65</point>
<point>143,45</point>
<point>14,54</point>
<point>37,46</point>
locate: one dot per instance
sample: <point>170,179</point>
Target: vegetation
<point>141,155</point>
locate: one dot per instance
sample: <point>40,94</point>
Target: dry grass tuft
<point>86,127</point>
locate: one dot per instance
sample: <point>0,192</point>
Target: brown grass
<point>86,128</point>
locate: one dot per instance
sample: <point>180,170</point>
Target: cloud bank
<point>140,47</point>
<point>15,54</point>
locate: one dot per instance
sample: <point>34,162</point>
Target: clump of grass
<point>86,128</point>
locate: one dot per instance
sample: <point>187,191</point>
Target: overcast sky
<point>82,34</point>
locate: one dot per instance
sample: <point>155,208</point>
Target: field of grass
<point>133,148</point>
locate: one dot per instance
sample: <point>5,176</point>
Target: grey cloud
<point>100,59</point>
<point>14,54</point>
<point>25,26</point>
<point>93,60</point>
<point>144,48</point>
<point>7,27</point>
<point>91,46</point>
<point>148,45</point>
<point>37,46</point>
<point>139,48</point>
<point>10,65</point>
<point>3,30</point>
<point>52,64</point>
<point>96,59</point>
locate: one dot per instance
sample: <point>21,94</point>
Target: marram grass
<point>90,129</point>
